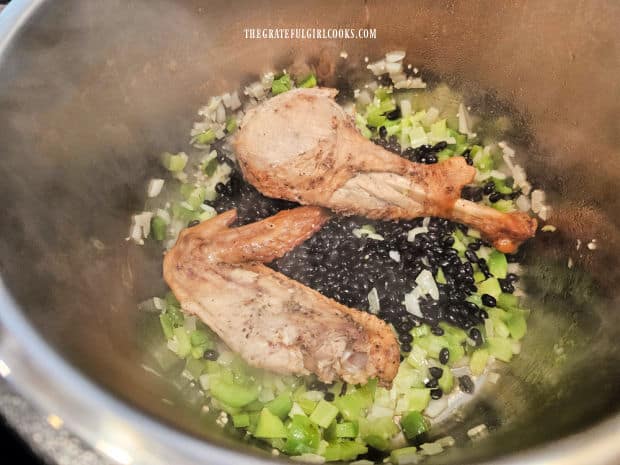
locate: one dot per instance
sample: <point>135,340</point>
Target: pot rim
<point>127,435</point>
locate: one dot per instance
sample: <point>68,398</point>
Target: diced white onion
<point>394,56</point>
<point>436,406</point>
<point>478,431</point>
<point>308,458</point>
<point>373,301</point>
<point>235,103</point>
<point>405,107</point>
<point>465,121</point>
<point>377,68</point>
<point>393,68</point>
<point>431,448</point>
<point>427,285</point>
<point>394,255</point>
<point>411,83</point>
<point>412,305</point>
<point>154,187</point>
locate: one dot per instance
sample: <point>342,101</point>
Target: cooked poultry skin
<point>272,321</point>
<point>302,146</point>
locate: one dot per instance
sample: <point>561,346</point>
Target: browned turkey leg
<point>302,146</point>
<point>272,321</point>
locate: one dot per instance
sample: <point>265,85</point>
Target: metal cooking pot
<point>91,92</point>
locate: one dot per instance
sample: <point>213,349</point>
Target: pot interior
<point>92,92</point>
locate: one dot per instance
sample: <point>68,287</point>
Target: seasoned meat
<point>302,146</point>
<point>274,322</point>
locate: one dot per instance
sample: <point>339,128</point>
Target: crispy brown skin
<point>302,146</point>
<point>272,321</point>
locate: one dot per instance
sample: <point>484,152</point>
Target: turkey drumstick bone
<point>302,146</point>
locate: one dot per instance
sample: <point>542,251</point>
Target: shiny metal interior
<point>91,92</point>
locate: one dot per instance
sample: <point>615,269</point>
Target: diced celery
<point>504,205</point>
<point>269,426</point>
<point>353,405</point>
<point>377,431</point>
<point>516,324</point>
<point>206,137</point>
<point>199,337</point>
<point>507,301</point>
<point>347,429</point>
<point>296,410</point>
<point>241,420</point>
<point>282,84</point>
<point>376,119</point>
<point>212,367</point>
<point>490,286</point>
<point>501,187</point>
<point>307,405</point>
<point>440,278</point>
<point>500,348</point>
<point>210,167</point>
<point>302,436</point>
<point>158,228</point>
<point>458,244</point>
<point>413,424</point>
<point>235,395</point>
<point>174,163</point>
<point>405,456</point>
<point>193,195</point>
<point>344,451</point>
<point>445,154</point>
<point>417,357</point>
<point>194,367</point>
<point>498,266</point>
<point>431,344</point>
<point>418,399</point>
<point>478,361</point>
<point>171,300</point>
<point>281,405</point>
<point>183,345</point>
<point>483,161</point>
<point>231,125</point>
<point>420,331</point>
<point>446,382</point>
<point>166,325</point>
<point>308,81</point>
<point>254,406</point>
<point>324,413</point>
<point>479,276</point>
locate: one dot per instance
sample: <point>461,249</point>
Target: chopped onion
<point>308,458</point>
<point>154,187</point>
<point>411,83</point>
<point>427,285</point>
<point>538,199</point>
<point>415,231</point>
<point>478,431</point>
<point>465,122</point>
<point>394,68</point>
<point>412,305</point>
<point>523,203</point>
<point>394,255</point>
<point>405,107</point>
<point>436,406</point>
<point>377,68</point>
<point>394,56</point>
<point>373,301</point>
<point>446,441</point>
<point>431,448</point>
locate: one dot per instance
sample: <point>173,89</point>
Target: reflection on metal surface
<point>4,369</point>
<point>55,421</point>
<point>115,453</point>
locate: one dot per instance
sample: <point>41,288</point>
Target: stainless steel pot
<point>91,92</point>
